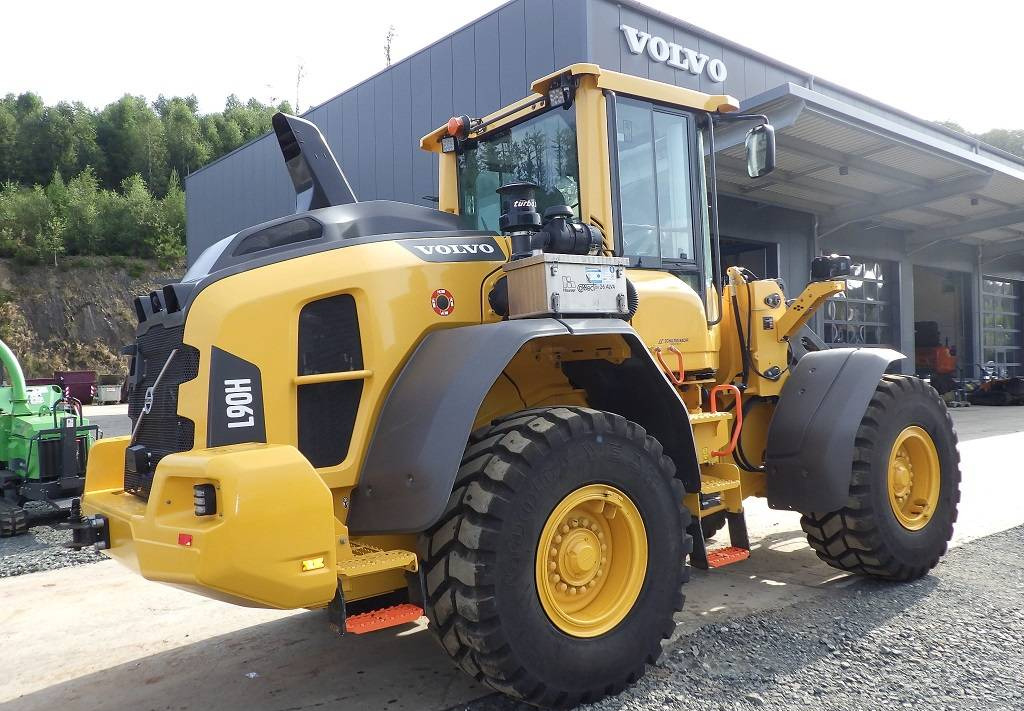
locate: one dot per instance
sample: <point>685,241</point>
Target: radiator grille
<point>328,343</point>
<point>162,431</point>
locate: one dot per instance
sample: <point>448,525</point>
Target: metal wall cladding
<point>374,128</point>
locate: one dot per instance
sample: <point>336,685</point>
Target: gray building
<point>934,219</point>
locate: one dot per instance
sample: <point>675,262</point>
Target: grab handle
<point>668,371</point>
<point>739,416</point>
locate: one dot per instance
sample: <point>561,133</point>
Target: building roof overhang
<point>848,165</point>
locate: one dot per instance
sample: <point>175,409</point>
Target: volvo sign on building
<point>674,55</point>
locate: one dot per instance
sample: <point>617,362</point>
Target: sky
<point>937,59</point>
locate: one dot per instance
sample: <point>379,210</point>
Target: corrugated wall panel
<point>401,125</point>
<point>384,142</point>
<point>422,178</point>
<point>569,32</point>
<point>464,73</point>
<point>512,52</point>
<point>350,141</point>
<point>367,176</point>
<point>488,75</point>
<point>540,45</point>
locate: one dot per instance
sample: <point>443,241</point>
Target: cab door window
<point>655,169</point>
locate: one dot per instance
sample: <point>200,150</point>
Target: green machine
<point>44,446</point>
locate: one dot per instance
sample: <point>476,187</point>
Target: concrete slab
<point>101,637</point>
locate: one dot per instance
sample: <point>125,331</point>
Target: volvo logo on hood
<point>661,50</point>
<point>473,249</point>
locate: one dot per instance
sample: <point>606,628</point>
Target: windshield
<point>541,149</point>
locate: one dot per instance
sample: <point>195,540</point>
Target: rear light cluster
<point>205,498</point>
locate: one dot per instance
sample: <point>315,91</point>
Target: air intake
<point>316,175</point>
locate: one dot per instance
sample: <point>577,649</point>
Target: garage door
<point>1001,324</point>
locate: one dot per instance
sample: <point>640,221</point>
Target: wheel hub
<point>591,560</point>
<point>914,478</point>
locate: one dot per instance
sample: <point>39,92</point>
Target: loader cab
<point>629,156</point>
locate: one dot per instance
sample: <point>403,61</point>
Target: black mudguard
<point>811,436</point>
<point>421,433</point>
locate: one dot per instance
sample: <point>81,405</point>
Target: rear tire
<point>483,567</point>
<point>867,536</point>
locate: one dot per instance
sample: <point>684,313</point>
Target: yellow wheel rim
<point>914,478</point>
<point>591,560</point>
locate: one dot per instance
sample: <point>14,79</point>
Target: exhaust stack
<point>315,173</point>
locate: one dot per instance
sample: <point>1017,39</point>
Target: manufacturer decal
<point>442,301</point>
<point>674,55</point>
<point>235,407</point>
<point>469,249</point>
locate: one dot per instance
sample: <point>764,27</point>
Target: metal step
<point>714,484</point>
<point>369,560</point>
<point>720,557</point>
<point>383,618</point>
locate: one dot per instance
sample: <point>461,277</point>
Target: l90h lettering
<point>237,399</point>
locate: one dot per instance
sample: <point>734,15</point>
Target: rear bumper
<point>273,513</point>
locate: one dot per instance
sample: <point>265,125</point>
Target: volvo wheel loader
<point>519,412</point>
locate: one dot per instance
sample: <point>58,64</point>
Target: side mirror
<point>760,145</point>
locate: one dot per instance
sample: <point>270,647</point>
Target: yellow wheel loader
<point>519,412</point>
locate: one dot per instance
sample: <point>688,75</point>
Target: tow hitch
<point>86,531</point>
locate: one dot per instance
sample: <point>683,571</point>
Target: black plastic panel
<point>327,414</point>
<point>329,336</point>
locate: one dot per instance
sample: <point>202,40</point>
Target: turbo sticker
<point>442,301</point>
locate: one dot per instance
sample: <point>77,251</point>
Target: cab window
<point>655,173</point>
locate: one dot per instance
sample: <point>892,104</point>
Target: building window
<point>863,315</point>
<point>653,149</point>
<point>1001,325</point>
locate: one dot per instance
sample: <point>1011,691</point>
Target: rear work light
<point>205,498</point>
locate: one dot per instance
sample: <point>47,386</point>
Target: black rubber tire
<point>13,520</point>
<point>712,524</point>
<point>479,558</point>
<point>865,537</point>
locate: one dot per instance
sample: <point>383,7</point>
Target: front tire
<point>538,496</point>
<point>904,488</point>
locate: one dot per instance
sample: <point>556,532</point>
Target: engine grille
<point>162,431</point>
<point>328,343</point>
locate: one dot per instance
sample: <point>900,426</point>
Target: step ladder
<point>739,541</point>
<point>370,560</point>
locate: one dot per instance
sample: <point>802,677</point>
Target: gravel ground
<point>953,640</point>
<point>41,549</point>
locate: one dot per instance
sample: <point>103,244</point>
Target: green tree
<point>131,136</point>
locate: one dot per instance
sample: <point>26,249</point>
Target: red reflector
<point>184,539</point>
<point>454,126</point>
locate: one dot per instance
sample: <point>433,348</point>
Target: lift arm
<point>804,306</point>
